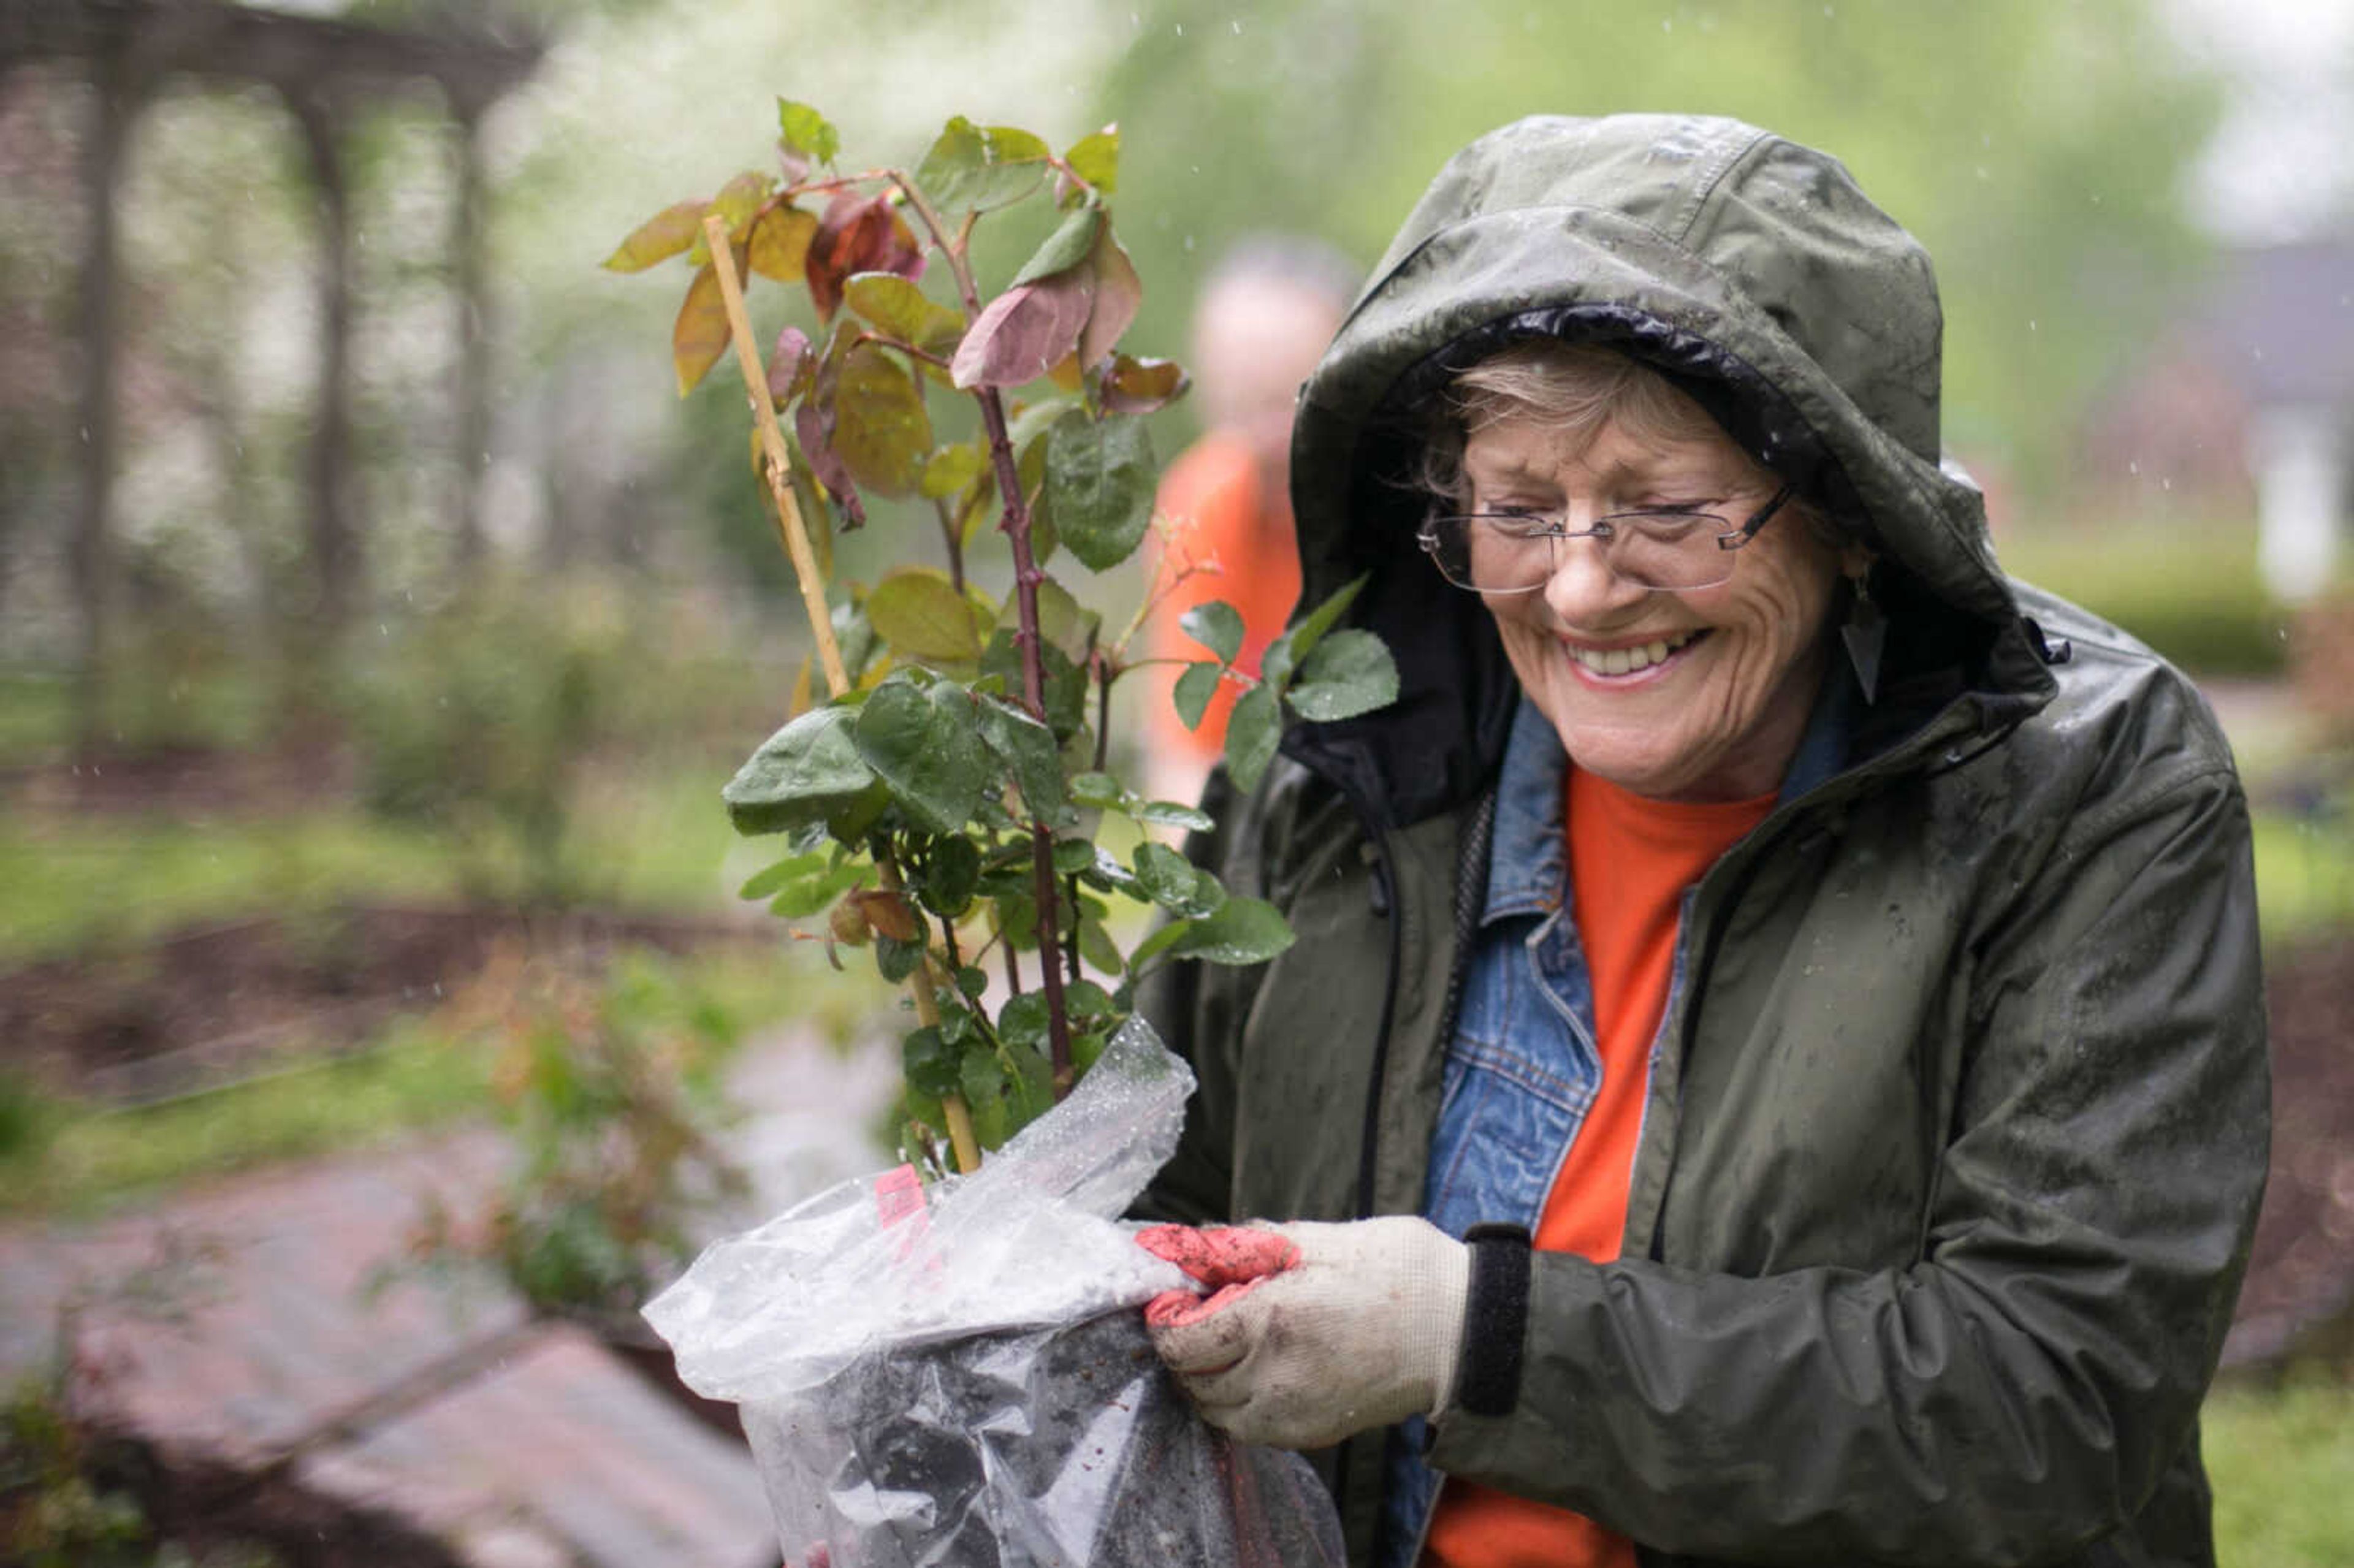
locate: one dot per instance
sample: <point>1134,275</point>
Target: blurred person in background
<point>1772,1067</point>
<point>1270,306</point>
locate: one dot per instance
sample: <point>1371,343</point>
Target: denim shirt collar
<point>1525,862</point>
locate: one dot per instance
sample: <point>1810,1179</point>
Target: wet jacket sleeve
<point>2018,1391</point>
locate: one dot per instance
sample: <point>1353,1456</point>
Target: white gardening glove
<point>1312,1332</point>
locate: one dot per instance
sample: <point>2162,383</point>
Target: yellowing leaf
<point>740,200</point>
<point>781,242</point>
<point>893,304</point>
<point>920,614</point>
<point>881,431</point>
<point>660,238</point>
<point>699,336</point>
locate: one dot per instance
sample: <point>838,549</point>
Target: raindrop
<point>1667,24</point>
<point>2133,468</point>
<point>2166,485</point>
<point>1827,10</point>
<point>2030,323</point>
<point>1181,29</point>
<point>1981,170</point>
<point>1189,243</point>
<point>1238,27</point>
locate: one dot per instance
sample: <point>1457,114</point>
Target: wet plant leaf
<point>974,168</point>
<point>881,430</point>
<point>1176,884</point>
<point>1172,814</point>
<point>1020,335</point>
<point>926,747</point>
<point>1195,689</point>
<point>1253,730</point>
<point>1028,750</point>
<point>667,233</point>
<point>951,878</point>
<point>1100,482</point>
<point>804,771</point>
<point>1243,931</point>
<point>764,884</point>
<point>1217,626</point>
<point>1118,293</point>
<point>1348,673</point>
<point>903,310</point>
<point>1073,243</point>
<point>920,614</point>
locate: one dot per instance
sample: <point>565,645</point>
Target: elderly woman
<point>1772,1061</point>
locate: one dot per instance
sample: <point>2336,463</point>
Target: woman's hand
<point>1311,1332</point>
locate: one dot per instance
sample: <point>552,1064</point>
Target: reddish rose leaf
<point>786,363</point>
<point>811,427</point>
<point>858,234</point>
<point>880,429</point>
<point>1025,330</point>
<point>1118,293</point>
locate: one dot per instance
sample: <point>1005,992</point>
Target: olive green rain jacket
<point>1959,1120</point>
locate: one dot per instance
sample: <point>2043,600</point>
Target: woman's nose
<point>1582,589</point>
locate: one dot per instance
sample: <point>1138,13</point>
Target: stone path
<point>518,1445</point>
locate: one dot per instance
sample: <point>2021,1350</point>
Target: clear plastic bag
<point>960,1378</point>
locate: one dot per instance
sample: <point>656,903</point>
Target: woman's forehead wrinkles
<point>1495,456</point>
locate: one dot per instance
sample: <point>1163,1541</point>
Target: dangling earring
<point>1865,633</point>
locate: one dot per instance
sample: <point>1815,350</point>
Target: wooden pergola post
<point>114,108</point>
<point>470,276</point>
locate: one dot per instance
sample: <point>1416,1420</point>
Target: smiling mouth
<point>1627,661</point>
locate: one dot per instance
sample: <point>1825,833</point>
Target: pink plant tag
<point>899,1199</point>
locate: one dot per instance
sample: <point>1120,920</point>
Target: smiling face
<point>1697,696</point>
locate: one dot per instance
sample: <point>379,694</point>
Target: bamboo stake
<point>821,619</point>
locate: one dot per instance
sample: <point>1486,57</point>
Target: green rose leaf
<point>1099,485</point>
<point>881,431</point>
<point>1172,814</point>
<point>1023,1021</point>
<point>764,884</point>
<point>801,774</point>
<point>1159,941</point>
<point>1098,791</point>
<point>1195,689</point>
<point>894,959</point>
<point>1094,158</point>
<point>1176,884</point>
<point>1028,748</point>
<point>1071,243</point>
<point>800,900</point>
<point>807,132</point>
<point>1253,731</point>
<point>920,614</point>
<point>929,1063</point>
<point>974,168</point>
<point>1283,654</point>
<point>1217,626</point>
<point>952,877</point>
<point>926,747</point>
<point>1350,673</point>
<point>1243,931</point>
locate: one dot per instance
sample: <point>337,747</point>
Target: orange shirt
<point>1224,516</point>
<point>1630,860</point>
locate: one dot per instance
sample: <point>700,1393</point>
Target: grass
<point>422,1071</point>
<point>2282,1464</point>
<point>649,841</point>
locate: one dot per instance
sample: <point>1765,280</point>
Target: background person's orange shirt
<point>1630,860</point>
<point>1221,510</point>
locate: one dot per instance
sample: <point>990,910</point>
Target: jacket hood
<point>1752,271</point>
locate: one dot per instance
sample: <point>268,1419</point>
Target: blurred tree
<point>2039,150</point>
